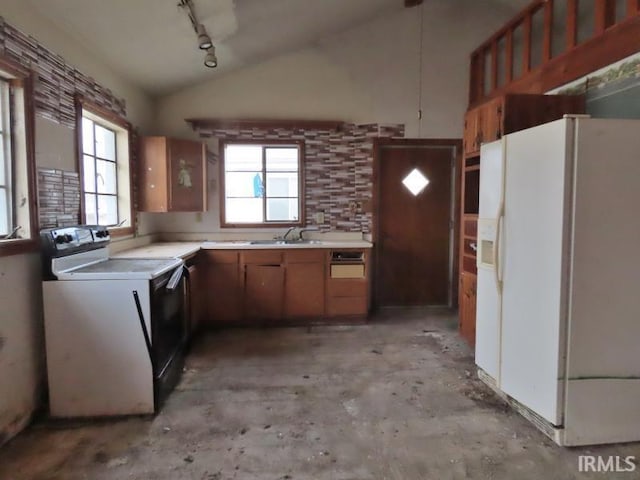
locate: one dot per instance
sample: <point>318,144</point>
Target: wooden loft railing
<point>552,42</point>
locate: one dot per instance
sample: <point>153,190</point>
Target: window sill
<point>261,225</point>
<point>122,231</point>
<point>18,246</point>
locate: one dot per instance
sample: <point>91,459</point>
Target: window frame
<point>301,190</point>
<point>82,104</point>
<point>23,78</point>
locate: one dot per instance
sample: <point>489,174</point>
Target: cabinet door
<point>264,292</point>
<point>222,292</point>
<point>472,132</point>
<point>492,120</point>
<point>304,290</point>
<point>187,181</point>
<point>468,308</point>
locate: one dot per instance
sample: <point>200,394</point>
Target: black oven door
<point>168,331</point>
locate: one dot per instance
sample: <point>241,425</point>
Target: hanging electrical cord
<point>421,45</point>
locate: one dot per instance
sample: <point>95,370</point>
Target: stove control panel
<point>66,240</point>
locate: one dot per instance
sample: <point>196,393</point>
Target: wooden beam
<point>412,3</point>
<point>263,124</point>
<point>509,61</point>
<point>526,54</point>
<point>547,45</point>
<point>572,23</point>
<point>494,65</point>
<point>605,13</point>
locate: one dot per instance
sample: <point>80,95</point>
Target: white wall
<point>21,330</point>
<point>364,75</point>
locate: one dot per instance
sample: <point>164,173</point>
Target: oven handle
<point>176,276</point>
<point>143,325</point>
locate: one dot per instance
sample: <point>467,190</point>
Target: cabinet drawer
<point>263,257</point>
<point>339,306</point>
<point>305,256</point>
<point>347,288</point>
<point>347,271</point>
<point>470,227</point>
<point>220,256</point>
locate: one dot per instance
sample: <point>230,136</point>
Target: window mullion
<point>264,184</point>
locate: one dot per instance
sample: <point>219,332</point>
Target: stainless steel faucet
<point>291,229</point>
<point>306,229</point>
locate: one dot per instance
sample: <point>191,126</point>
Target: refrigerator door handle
<point>496,250</point>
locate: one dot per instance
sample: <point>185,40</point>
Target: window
<point>105,171</point>
<point>6,203</point>
<point>262,184</point>
<point>17,194</point>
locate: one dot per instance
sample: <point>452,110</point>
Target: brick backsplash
<point>58,198</point>
<point>338,168</point>
<point>57,82</point>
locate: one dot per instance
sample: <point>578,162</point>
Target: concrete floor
<point>395,399</point>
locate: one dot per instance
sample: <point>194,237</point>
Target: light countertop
<point>186,249</point>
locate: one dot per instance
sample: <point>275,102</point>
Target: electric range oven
<point>115,329</point>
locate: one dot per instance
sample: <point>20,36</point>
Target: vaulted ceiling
<point>151,42</point>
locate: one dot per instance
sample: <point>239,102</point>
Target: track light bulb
<point>210,59</point>
<point>204,40</point>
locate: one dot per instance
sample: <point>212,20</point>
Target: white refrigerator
<point>558,312</point>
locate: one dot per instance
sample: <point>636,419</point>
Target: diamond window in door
<point>415,182</point>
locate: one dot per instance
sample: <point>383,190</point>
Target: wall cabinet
<point>510,113</point>
<point>172,175</point>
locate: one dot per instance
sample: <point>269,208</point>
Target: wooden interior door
<point>414,241</point>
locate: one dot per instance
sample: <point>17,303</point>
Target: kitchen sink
<point>285,242</point>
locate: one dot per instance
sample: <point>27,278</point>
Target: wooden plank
<point>509,53</point>
<point>266,124</point>
<point>572,23</point>
<point>526,61</point>
<point>605,13</point>
<point>548,32</point>
<point>494,65</point>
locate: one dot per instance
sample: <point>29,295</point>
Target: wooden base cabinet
<point>263,292</point>
<point>467,302</point>
<point>304,284</point>
<point>269,286</point>
<point>222,287</point>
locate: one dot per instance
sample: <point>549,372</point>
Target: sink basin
<point>267,242</point>
<point>285,242</point>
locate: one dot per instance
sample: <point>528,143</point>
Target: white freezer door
<point>487,350</point>
<point>603,361</point>
<point>533,308</point>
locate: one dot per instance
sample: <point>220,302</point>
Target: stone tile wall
<point>338,169</point>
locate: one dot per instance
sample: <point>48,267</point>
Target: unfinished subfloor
<point>395,399</point>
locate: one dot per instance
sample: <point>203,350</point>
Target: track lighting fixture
<point>204,40</point>
<point>210,59</point>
